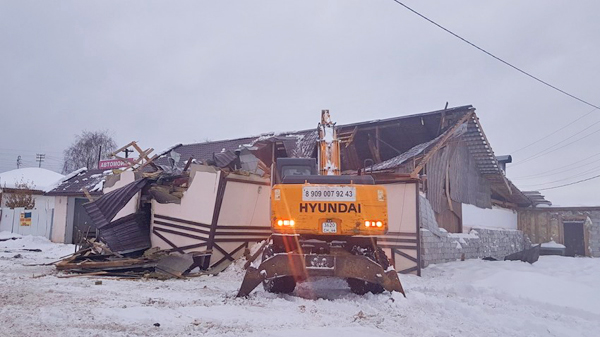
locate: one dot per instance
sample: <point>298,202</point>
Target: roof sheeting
<point>105,208</point>
<point>204,151</point>
<point>415,151</point>
<point>128,234</point>
<point>480,148</point>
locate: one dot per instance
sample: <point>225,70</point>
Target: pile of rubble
<point>96,259</point>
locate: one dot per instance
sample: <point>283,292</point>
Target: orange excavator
<point>324,224</point>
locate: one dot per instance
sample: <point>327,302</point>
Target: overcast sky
<point>168,72</point>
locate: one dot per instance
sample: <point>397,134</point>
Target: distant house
<point>69,216</point>
<point>31,180</point>
<point>25,209</point>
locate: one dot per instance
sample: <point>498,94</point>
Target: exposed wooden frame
<point>374,148</point>
<point>442,142</point>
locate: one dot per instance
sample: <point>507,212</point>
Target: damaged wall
<point>439,246</point>
<point>187,224</point>
<point>219,212</point>
<point>401,243</point>
<point>453,179</point>
<point>243,217</point>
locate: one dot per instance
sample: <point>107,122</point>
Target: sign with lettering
<point>112,164</point>
<point>329,207</point>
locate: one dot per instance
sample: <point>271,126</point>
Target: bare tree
<point>22,196</point>
<point>84,151</point>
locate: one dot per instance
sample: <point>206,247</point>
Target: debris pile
<point>96,259</point>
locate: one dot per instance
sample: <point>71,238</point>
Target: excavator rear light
<point>286,222</point>
<point>372,223</point>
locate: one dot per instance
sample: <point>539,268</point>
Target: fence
<point>27,222</point>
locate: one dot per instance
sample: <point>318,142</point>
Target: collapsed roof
<point>405,144</point>
<point>402,144</point>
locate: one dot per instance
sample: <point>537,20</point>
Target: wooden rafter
<point>143,156</point>
<point>374,149</point>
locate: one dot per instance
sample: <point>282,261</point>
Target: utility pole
<point>99,154</point>
<point>18,162</point>
<point>127,152</point>
<point>40,158</point>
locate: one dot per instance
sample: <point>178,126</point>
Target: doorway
<point>574,238</point>
<point>82,223</point>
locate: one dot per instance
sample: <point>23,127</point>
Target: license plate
<point>328,193</point>
<point>329,227</point>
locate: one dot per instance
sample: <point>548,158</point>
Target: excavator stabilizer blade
<point>251,280</point>
<point>392,282</point>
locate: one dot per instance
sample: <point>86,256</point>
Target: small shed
<point>577,228</point>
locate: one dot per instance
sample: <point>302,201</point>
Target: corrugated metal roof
<point>415,151</point>
<point>406,137</point>
<point>537,198</point>
<point>401,159</point>
<point>104,209</point>
<point>204,151</point>
<point>480,148</point>
<point>128,234</point>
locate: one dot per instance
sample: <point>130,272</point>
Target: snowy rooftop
<point>75,182</point>
<point>37,178</point>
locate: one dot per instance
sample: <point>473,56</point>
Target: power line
<point>595,169</point>
<point>60,153</point>
<point>569,184</point>
<point>552,133</point>
<point>543,174</point>
<point>550,150</point>
<point>496,57</point>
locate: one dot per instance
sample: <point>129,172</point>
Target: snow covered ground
<point>557,296</point>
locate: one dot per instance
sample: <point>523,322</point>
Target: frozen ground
<point>557,296</point>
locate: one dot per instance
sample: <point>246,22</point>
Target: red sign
<point>112,164</point>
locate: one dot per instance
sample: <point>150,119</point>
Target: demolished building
<point>443,179</point>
